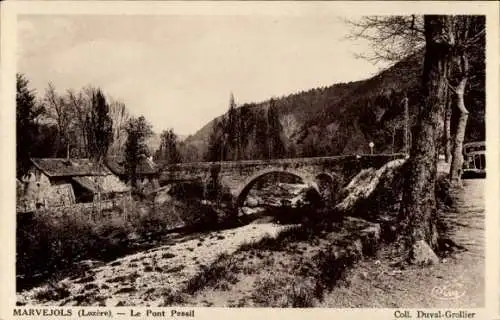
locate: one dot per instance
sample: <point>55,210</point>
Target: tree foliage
<point>120,116</point>
<point>169,148</point>
<point>27,111</point>
<point>58,109</point>
<point>99,126</point>
<point>247,133</point>
<point>78,105</point>
<point>79,123</point>
<point>469,39</point>
<point>274,140</point>
<point>138,129</point>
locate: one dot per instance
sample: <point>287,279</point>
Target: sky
<point>179,70</point>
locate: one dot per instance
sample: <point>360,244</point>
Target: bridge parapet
<point>308,160</point>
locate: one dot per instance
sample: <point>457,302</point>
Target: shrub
<point>187,190</point>
<point>191,215</point>
<point>286,214</point>
<point>125,290</point>
<point>47,244</point>
<point>90,286</point>
<point>284,291</point>
<point>171,298</point>
<point>86,279</point>
<point>222,271</point>
<point>175,269</point>
<point>332,268</point>
<point>167,255</point>
<point>52,292</point>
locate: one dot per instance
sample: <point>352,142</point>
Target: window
<point>470,162</point>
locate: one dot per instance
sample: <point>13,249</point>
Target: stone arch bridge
<point>237,177</point>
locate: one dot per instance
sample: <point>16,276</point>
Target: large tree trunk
<point>418,210</point>
<point>457,162</point>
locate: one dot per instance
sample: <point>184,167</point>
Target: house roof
<point>105,184</point>
<point>145,165</point>
<point>62,167</point>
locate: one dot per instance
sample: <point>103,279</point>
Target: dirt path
<point>143,278</point>
<point>456,282</point>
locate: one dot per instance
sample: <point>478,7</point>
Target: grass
<point>284,291</point>
<point>217,275</point>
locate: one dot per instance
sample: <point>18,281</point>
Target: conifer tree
<point>99,126</point>
<point>27,111</point>
<point>138,129</point>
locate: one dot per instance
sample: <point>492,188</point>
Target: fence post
<point>125,207</point>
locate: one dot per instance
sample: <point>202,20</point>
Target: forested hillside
<point>339,119</point>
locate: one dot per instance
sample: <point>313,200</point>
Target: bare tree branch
<point>391,38</point>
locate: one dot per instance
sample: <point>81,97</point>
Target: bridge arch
<point>242,193</point>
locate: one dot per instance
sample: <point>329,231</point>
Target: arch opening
<point>270,192</point>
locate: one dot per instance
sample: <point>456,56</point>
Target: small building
<point>53,182</point>
<point>147,172</point>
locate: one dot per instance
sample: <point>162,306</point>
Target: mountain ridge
<point>344,117</point>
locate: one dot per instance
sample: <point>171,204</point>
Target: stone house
<point>54,182</point>
<point>147,172</point>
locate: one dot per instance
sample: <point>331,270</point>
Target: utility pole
<point>407,119</point>
<point>268,132</point>
<point>393,134</point>
<point>99,185</point>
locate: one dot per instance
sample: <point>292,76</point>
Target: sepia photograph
<point>297,160</point>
